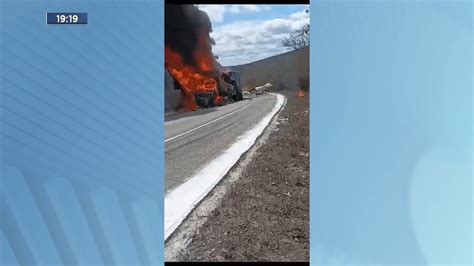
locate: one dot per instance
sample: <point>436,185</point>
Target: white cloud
<point>247,41</point>
<point>216,12</point>
<point>234,9</point>
<point>251,8</point>
<point>300,14</point>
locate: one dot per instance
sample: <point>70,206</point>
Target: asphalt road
<point>194,139</point>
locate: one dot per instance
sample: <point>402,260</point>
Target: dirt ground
<point>265,215</point>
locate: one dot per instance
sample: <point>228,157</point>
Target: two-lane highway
<point>192,140</point>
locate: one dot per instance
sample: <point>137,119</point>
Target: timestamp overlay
<point>79,18</point>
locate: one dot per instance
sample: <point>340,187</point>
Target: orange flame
<point>190,79</point>
<point>300,94</point>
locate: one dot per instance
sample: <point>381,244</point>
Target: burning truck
<point>228,90</point>
<point>190,62</point>
<point>221,88</point>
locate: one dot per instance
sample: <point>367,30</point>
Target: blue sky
<point>246,33</point>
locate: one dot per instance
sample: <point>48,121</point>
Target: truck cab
<point>229,85</point>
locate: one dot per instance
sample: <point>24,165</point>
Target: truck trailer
<point>228,89</point>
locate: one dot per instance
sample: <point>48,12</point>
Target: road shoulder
<point>260,210</point>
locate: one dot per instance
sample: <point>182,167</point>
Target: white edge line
<point>182,200</point>
<point>208,123</point>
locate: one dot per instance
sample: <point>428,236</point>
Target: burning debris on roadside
<point>190,61</point>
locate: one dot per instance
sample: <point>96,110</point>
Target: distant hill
<point>283,70</point>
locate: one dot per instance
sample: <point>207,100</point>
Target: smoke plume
<point>187,32</point>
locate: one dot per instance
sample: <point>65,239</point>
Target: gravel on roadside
<point>265,214</point>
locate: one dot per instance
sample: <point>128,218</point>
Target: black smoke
<point>184,25</point>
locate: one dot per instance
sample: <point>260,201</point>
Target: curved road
<point>194,139</point>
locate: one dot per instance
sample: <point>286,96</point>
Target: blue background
<point>391,147</point>
<point>82,134</point>
<point>391,132</point>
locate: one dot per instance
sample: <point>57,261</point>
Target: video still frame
<point>237,132</point>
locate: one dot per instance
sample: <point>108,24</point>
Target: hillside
<point>281,70</point>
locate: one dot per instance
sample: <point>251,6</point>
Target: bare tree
<point>298,39</point>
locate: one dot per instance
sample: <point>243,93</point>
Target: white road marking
<point>208,123</point>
